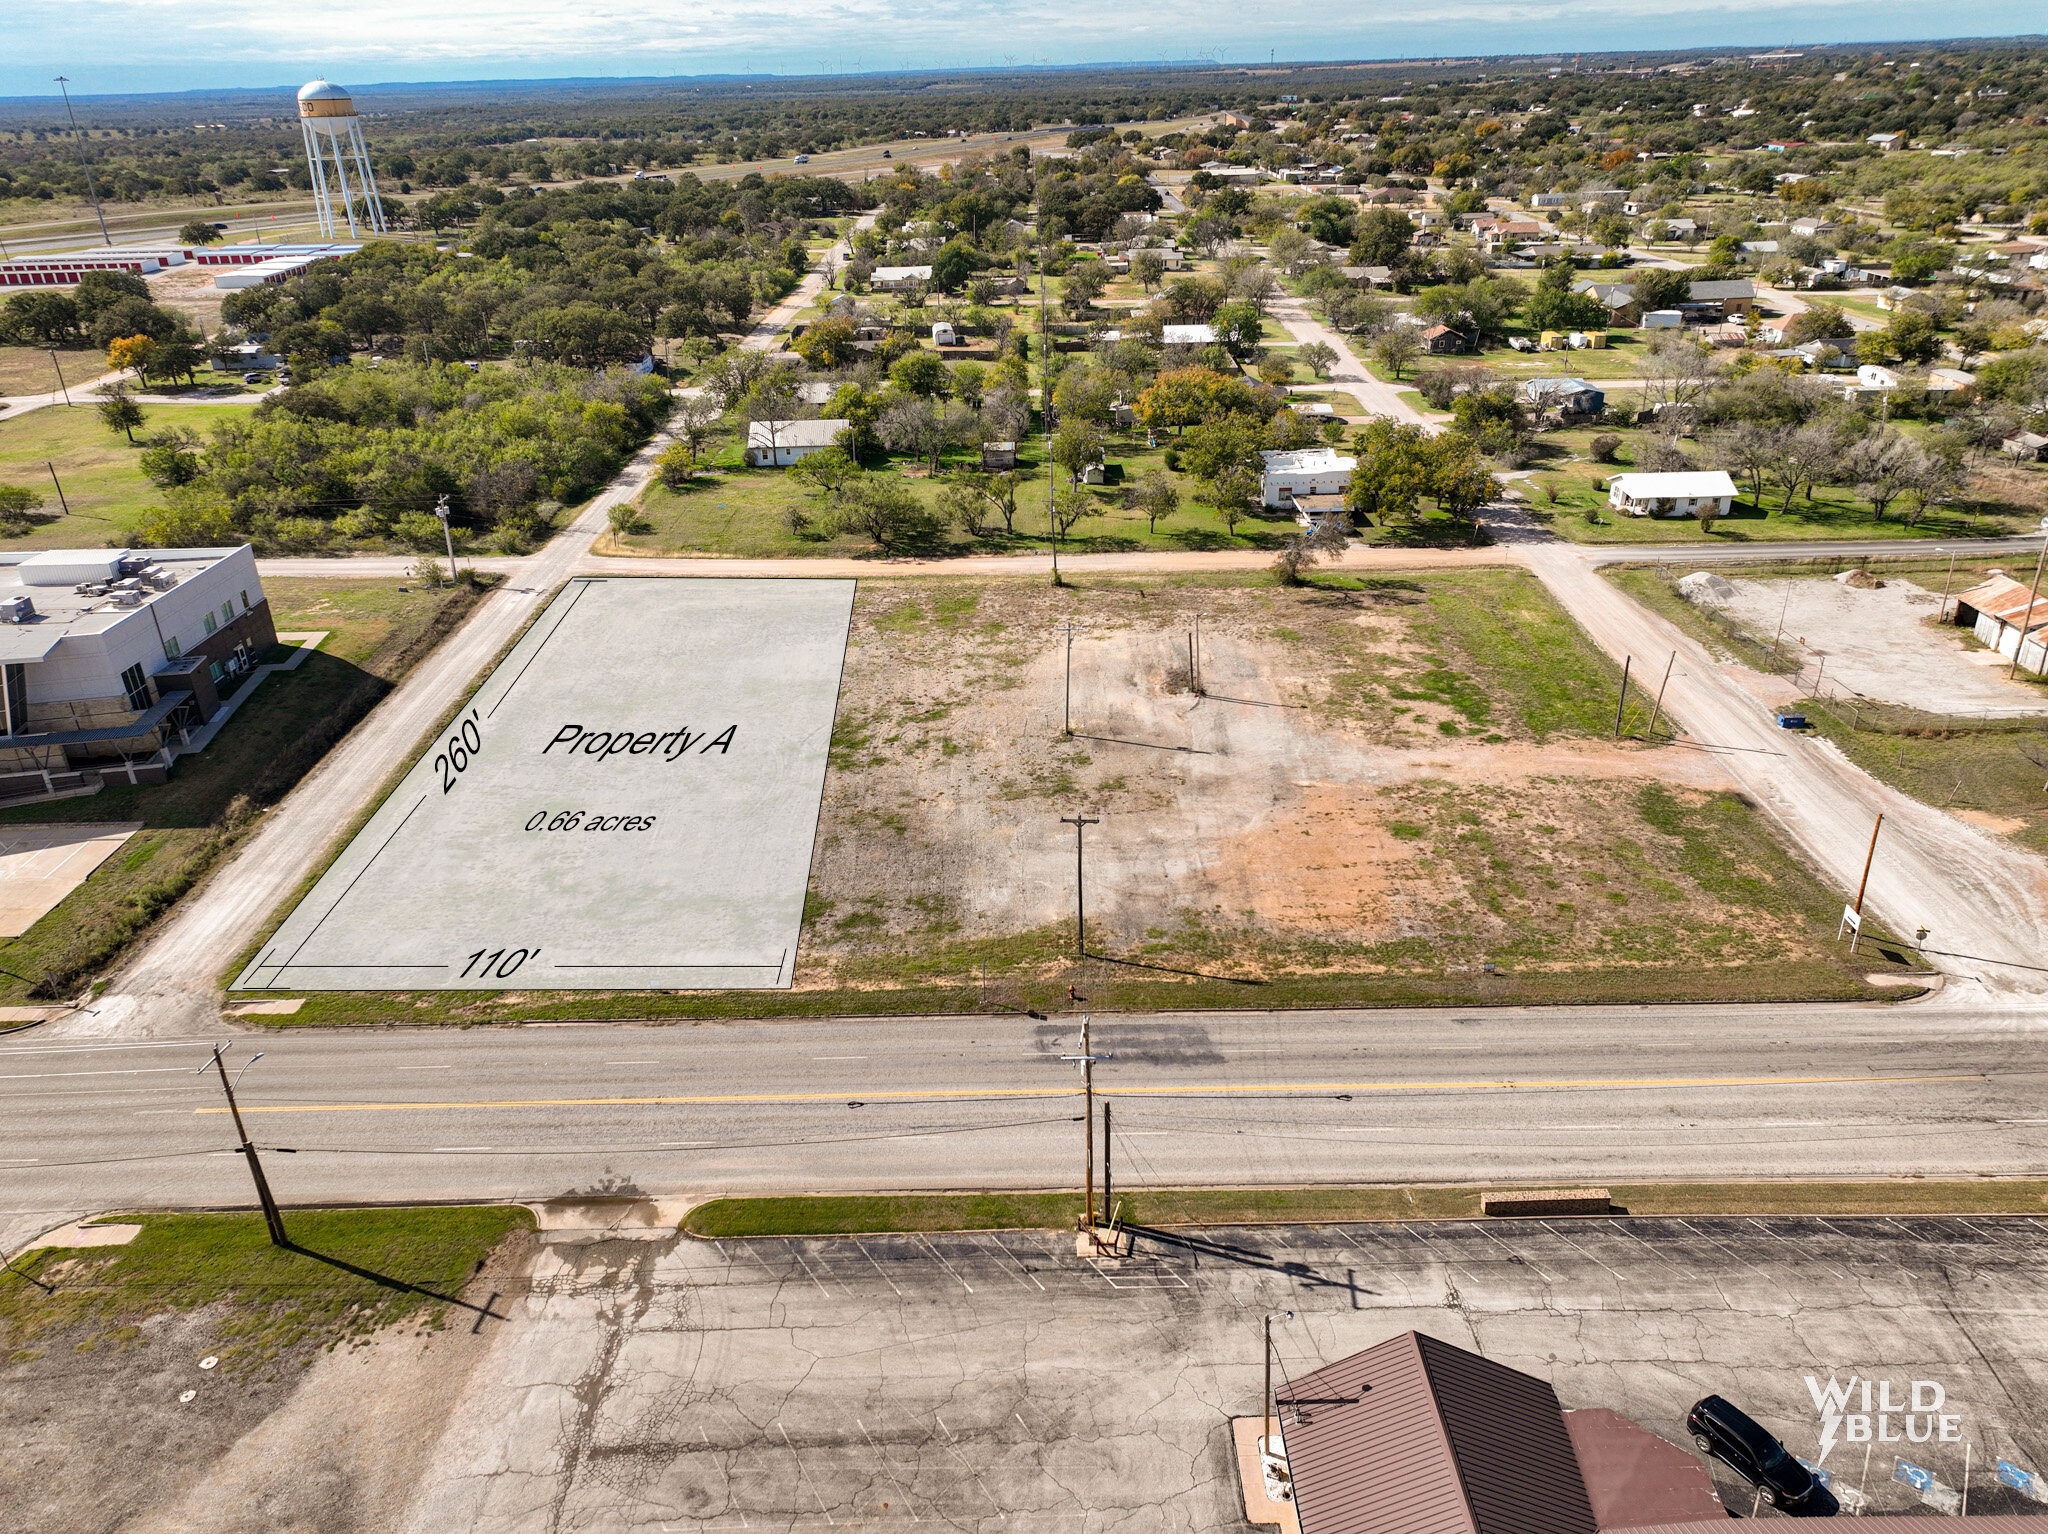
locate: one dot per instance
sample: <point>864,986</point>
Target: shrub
<point>16,502</point>
<point>1605,447</point>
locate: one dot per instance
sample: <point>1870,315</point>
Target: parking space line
<point>1005,1253</point>
<point>1567,1240</point>
<point>1515,1256</point>
<point>878,1267</point>
<point>927,1240</point>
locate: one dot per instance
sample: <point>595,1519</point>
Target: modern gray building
<point>110,657</point>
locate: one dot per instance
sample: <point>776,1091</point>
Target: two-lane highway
<point>1233,1098</point>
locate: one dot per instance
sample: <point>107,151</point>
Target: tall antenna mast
<point>84,164</point>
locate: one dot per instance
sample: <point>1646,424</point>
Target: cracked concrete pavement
<point>995,1380</point>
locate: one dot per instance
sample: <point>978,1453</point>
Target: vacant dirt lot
<point>1402,777</point>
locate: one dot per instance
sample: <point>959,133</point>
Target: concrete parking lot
<point>994,1381</point>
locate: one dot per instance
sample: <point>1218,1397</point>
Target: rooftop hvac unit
<point>17,610</point>
<point>127,599</point>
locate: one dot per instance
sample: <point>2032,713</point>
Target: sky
<point>120,46</point>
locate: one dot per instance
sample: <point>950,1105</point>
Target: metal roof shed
<point>1416,1436</point>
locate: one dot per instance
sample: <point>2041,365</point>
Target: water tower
<point>334,138</point>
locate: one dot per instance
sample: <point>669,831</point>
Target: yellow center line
<point>1186,1090</point>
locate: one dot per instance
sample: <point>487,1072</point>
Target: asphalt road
<point>538,1112</point>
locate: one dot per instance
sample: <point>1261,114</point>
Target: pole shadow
<point>1168,969</point>
<point>385,1281</point>
<point>1118,740</point>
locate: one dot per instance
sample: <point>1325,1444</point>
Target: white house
<point>1672,495</point>
<point>1871,376</point>
<point>778,444</point>
<point>1187,335</point>
<point>1287,476</point>
<point>894,279</point>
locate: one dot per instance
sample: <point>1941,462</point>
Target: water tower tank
<point>334,144</point>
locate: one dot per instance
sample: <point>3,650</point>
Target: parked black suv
<point>1726,1433</point>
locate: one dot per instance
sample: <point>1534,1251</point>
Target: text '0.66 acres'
<point>628,802</point>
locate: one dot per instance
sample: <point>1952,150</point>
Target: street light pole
<point>84,164</point>
<point>1052,520</point>
<point>271,1217</point>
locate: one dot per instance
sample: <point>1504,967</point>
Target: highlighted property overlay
<point>628,803</point>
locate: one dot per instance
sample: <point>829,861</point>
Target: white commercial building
<point>1672,495</point>
<point>1288,477</point>
<point>1187,335</point>
<point>108,654</point>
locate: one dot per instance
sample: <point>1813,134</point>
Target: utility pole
<point>1658,708</point>
<point>1086,1060</point>
<point>1622,702</point>
<point>1868,858</point>
<point>271,1217</point>
<point>1195,657</point>
<point>84,164</point>
<point>1052,520</point>
<point>1078,822</point>
<point>1067,700</point>
<point>61,384</point>
<point>60,486</point>
<point>1266,1397</point>
<point>447,532</point>
<point>2020,645</point>
<point>1946,582</point>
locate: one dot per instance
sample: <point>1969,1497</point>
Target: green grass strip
<point>884,1214</point>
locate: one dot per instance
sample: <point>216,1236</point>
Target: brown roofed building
<point>1634,1479</point>
<point>1416,1436</point>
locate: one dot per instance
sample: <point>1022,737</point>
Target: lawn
<point>856,1214</point>
<point>102,481</point>
<point>1833,512</point>
<point>377,634</point>
<point>744,513</point>
<point>347,1274</point>
<point>27,370</point>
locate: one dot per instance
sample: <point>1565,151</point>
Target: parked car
<point>888,155</point>
<point>255,378</point>
<point>1727,1433</point>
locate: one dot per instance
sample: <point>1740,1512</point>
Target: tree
<point>39,319</point>
<point>1659,287</point>
<point>1156,497</point>
<point>1216,447</point>
<point>1381,237</point>
<point>978,494</point>
<point>1085,281</point>
<point>171,458</point>
<point>881,507</point>
<point>922,373</point>
<point>1819,322</point>
<point>1675,369</point>
<point>1882,466</point>
<point>691,421</point>
<point>676,465</point>
<point>1395,349</point>
<point>1065,509</point>
<point>828,343</point>
<point>134,353</point>
<point>1319,357</point>
<point>919,424</point>
<point>1147,267</point>
<point>1076,445</point>
<point>827,472</point>
<point>1554,306</point>
<point>1085,393</point>
<point>16,502</point>
<point>1323,535</point>
<point>1291,250</point>
<point>120,413</point>
<point>1910,336</point>
<point>1751,449</point>
<point>1457,477</point>
<point>1235,493</point>
<point>1393,472</point>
